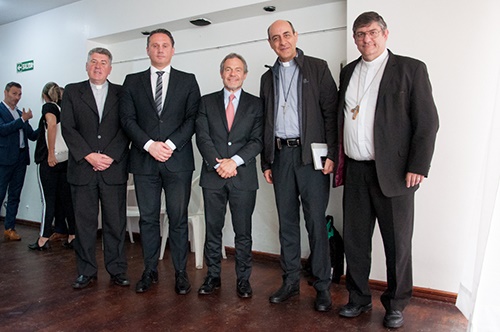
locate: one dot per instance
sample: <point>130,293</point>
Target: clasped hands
<point>99,161</point>
<point>160,151</point>
<point>227,168</point>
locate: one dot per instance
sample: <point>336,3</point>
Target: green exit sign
<point>25,66</point>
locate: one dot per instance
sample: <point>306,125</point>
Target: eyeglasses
<point>372,34</point>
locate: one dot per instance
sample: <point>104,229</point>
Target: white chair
<point>196,225</point>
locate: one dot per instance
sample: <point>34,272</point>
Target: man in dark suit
<point>229,137</point>
<point>15,131</point>
<point>388,124</point>
<point>97,169</point>
<point>158,110</point>
<point>299,96</point>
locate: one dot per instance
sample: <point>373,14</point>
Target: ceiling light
<point>201,22</point>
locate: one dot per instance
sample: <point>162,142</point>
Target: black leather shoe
<point>68,245</point>
<point>120,279</point>
<point>284,293</point>
<point>209,285</point>
<point>351,310</point>
<point>393,319</point>
<point>83,281</point>
<point>148,277</point>
<point>323,301</point>
<point>243,289</point>
<point>35,246</point>
<point>182,285</point>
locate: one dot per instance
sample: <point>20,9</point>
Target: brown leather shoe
<point>58,236</point>
<point>11,235</point>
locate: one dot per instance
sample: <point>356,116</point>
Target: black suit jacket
<point>84,134</point>
<point>214,140</point>
<point>317,93</point>
<point>9,136</point>
<point>142,123</point>
<point>406,122</point>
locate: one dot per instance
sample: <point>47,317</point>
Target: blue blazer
<point>9,136</point>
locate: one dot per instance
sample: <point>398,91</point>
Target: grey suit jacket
<point>84,133</point>
<point>406,122</point>
<point>214,140</point>
<point>141,122</point>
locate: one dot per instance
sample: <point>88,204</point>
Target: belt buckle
<point>291,142</point>
<point>278,143</point>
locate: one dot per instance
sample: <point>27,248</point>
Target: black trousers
<point>112,200</point>
<point>241,205</point>
<point>56,198</point>
<point>177,187</point>
<point>364,203</point>
<point>295,183</point>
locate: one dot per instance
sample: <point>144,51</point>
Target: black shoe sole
<point>364,308</point>
<point>277,300</point>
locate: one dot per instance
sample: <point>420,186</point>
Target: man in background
<point>97,169</point>
<point>15,131</point>
<point>158,110</point>
<point>229,137</point>
<point>389,123</point>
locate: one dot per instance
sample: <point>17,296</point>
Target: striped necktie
<point>158,93</point>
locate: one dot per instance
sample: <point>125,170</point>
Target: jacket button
<point>99,136</point>
<point>229,143</point>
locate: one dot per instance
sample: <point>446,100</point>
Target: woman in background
<point>56,195</point>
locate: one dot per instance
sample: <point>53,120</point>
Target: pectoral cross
<point>355,112</point>
<point>284,107</point>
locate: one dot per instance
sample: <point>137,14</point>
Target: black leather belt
<point>288,142</point>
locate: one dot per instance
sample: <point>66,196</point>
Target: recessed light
<point>145,33</point>
<point>269,9</point>
<point>200,22</point>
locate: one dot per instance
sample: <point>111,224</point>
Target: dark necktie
<point>158,93</point>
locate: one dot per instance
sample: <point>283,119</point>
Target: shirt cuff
<point>171,144</point>
<point>238,160</point>
<point>148,144</point>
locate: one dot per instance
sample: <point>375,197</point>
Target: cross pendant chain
<point>355,112</point>
<point>284,107</point>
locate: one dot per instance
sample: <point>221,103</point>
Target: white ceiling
<point>13,10</point>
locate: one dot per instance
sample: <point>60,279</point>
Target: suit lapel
<point>111,100</point>
<point>221,109</point>
<point>389,71</point>
<point>146,83</point>
<point>88,97</point>
<point>7,115</point>
<point>242,105</point>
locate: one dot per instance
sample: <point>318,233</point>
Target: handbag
<point>61,150</point>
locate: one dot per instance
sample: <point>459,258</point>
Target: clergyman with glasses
<point>387,121</point>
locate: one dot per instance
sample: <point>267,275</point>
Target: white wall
<point>451,38</point>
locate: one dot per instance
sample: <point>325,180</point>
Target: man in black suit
<point>388,123</point>
<point>97,169</point>
<point>15,131</point>
<point>158,110</point>
<point>299,96</point>
<point>229,137</point>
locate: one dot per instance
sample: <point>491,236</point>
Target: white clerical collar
<point>288,63</point>
<point>377,61</point>
<point>99,86</point>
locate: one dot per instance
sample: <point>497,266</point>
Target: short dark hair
<point>232,56</point>
<point>100,50</point>
<point>269,28</point>
<point>12,84</point>
<point>368,18</point>
<point>164,31</point>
